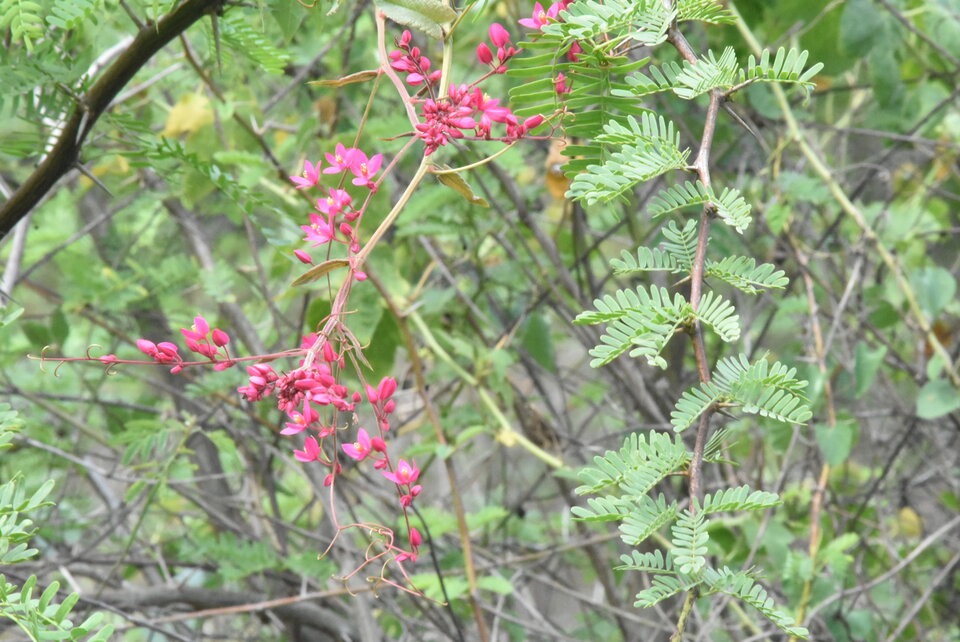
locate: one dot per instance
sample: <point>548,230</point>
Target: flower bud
<point>484,54</point>
<point>498,35</point>
<point>220,338</point>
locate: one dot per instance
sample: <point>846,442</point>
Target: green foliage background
<point>173,497</point>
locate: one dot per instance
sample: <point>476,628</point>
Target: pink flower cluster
<point>465,111</point>
<point>335,215</point>
<point>199,339</point>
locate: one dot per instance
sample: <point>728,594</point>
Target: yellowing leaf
<point>460,186</point>
<point>318,271</point>
<point>360,76</point>
<point>190,113</point>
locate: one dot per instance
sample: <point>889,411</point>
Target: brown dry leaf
<point>191,113</point>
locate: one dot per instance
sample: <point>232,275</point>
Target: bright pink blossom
<point>340,160</point>
<point>404,474</point>
<point>310,176</point>
<point>337,199</point>
<point>319,231</point>
<point>310,452</point>
<point>364,169</point>
<point>541,16</point>
<point>360,448</point>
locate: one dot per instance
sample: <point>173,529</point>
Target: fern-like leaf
<point>744,274</point>
<point>709,11</point>
<point>689,541</point>
<point>719,314</point>
<point>679,196</point>
<point>740,498</point>
<point>758,388</point>
<point>646,518</point>
<point>733,210</point>
<point>639,321</point>
<point>707,74</point>
<point>661,588</point>
<point>651,562</point>
<point>647,260</point>
<point>642,462</point>
<point>69,14</point>
<point>675,256</point>
<point>742,586</point>
<point>787,67</point>
<point>247,41</point>
<point>646,148</point>
<point>602,509</point>
<point>693,403</point>
<point>23,19</point>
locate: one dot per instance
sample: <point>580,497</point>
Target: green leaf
<point>538,341</point>
<point>935,287</point>
<point>861,28</point>
<point>432,17</point>
<point>866,364</point>
<point>495,583</point>
<point>936,399</point>
<point>836,442</point>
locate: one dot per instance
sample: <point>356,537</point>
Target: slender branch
<point>91,105</point>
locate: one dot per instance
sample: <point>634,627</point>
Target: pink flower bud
<point>405,38</point>
<point>360,276</point>
<point>147,347</point>
<point>303,257</point>
<point>373,396</point>
<point>390,406</point>
<point>378,445</point>
<point>328,354</point>
<point>484,54</point>
<point>220,338</point>
<point>498,35</point>
<point>388,385</point>
<point>415,538</point>
<point>532,122</point>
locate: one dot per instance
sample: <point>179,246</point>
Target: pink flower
<point>540,16</point>
<point>340,160</point>
<point>301,420</point>
<point>561,85</point>
<point>360,448</point>
<point>405,473</point>
<point>310,176</point>
<point>303,257</point>
<point>319,231</point>
<point>364,169</point>
<point>573,53</point>
<point>334,203</point>
<point>310,452</point>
